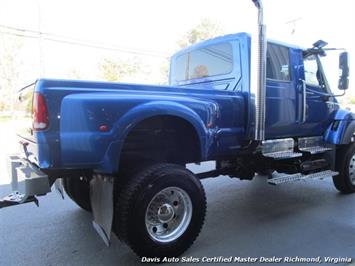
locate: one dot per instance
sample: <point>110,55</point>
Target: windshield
<point>322,71</point>
<point>310,70</point>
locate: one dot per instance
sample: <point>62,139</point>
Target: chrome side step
<point>279,149</point>
<point>313,145</point>
<point>316,149</point>
<point>280,178</point>
<point>283,155</point>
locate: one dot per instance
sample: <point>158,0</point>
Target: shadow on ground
<point>306,219</point>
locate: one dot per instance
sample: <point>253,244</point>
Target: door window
<point>277,62</point>
<point>311,71</point>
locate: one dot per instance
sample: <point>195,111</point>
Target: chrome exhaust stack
<point>258,73</point>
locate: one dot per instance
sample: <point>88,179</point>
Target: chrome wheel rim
<point>168,214</point>
<point>352,170</point>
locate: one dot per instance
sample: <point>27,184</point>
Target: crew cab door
<point>318,108</point>
<point>297,94</point>
<point>282,97</point>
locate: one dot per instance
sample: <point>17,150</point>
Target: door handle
<point>304,100</point>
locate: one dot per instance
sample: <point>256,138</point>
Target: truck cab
<point>299,101</point>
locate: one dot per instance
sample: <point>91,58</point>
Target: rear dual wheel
<point>78,189</point>
<point>160,211</point>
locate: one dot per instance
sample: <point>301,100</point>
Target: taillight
<point>40,112</point>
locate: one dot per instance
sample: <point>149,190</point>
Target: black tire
<point>140,194</point>
<point>78,189</point>
<point>345,161</point>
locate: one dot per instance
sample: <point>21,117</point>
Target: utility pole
<point>40,42</point>
<point>293,24</point>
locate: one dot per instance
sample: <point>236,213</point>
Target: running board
<point>279,149</point>
<point>280,178</point>
<point>283,155</point>
<point>315,149</point>
<point>312,145</point>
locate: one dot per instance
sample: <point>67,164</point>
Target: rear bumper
<point>27,181</point>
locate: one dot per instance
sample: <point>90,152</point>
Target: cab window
<point>206,62</point>
<point>277,62</point>
<point>311,70</point>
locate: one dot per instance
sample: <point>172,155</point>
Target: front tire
<point>160,211</point>
<point>345,165</point>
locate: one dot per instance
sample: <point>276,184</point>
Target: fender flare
<point>349,132</point>
<point>142,112</point>
<point>340,132</point>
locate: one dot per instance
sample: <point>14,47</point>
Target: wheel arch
<point>340,132</point>
<point>138,115</point>
<point>342,129</point>
<point>347,136</point>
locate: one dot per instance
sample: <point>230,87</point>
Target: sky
<point>154,27</point>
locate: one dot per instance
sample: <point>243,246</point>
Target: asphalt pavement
<point>244,219</point>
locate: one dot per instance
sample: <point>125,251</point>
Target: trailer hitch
<point>27,182</point>
<point>16,198</point>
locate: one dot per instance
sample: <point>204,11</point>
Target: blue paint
<point>337,129</point>
<point>218,108</point>
<point>79,144</point>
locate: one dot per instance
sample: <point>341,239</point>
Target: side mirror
<point>343,83</point>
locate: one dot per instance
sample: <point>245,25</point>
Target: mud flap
<point>58,185</point>
<point>101,198</point>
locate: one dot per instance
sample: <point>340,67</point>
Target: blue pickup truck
<point>120,150</point>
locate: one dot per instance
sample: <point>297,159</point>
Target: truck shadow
<point>243,218</point>
<point>256,218</point>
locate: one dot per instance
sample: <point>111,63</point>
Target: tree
<point>164,72</point>
<point>10,64</point>
<point>75,73</point>
<point>120,70</point>
<point>206,29</point>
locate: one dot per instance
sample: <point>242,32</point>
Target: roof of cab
<point>228,37</point>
